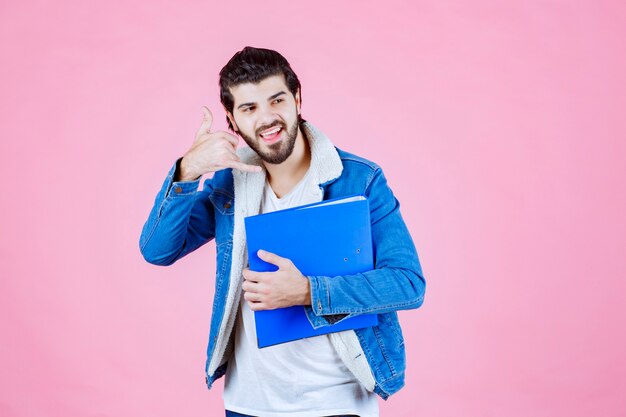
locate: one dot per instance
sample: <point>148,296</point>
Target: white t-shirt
<point>303,378</point>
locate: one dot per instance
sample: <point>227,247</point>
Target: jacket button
<point>227,205</point>
<point>178,189</point>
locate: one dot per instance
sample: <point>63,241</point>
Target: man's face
<point>266,116</point>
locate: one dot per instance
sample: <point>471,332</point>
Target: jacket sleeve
<point>395,283</point>
<point>181,220</point>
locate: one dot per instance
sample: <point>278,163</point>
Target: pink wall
<point>501,130</point>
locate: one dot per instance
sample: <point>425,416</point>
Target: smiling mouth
<point>272,133</point>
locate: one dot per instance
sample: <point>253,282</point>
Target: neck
<point>294,167</point>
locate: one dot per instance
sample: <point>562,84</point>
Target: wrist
<point>183,173</point>
<point>306,297</point>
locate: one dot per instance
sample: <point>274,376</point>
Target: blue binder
<point>329,238</point>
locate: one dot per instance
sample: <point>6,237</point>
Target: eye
<point>278,100</point>
<point>248,109</point>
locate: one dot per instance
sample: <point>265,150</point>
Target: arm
<point>395,283</point>
<point>181,220</point>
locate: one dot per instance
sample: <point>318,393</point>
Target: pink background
<point>500,128</point>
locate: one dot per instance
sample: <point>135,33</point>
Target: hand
<point>269,290</point>
<point>211,151</point>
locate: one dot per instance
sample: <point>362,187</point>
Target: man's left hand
<point>269,290</point>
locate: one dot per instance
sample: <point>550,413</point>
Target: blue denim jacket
<point>183,219</point>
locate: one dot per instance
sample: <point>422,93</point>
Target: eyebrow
<point>269,99</point>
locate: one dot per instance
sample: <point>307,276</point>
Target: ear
<point>232,120</point>
<point>298,103</point>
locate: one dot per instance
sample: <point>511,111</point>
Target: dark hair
<point>253,65</point>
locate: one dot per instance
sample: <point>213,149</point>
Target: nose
<point>267,117</point>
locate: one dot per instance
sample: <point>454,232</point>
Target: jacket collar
<point>325,161</point>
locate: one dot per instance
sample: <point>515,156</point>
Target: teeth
<point>270,132</point>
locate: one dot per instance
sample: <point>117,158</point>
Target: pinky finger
<point>244,167</point>
<point>256,305</point>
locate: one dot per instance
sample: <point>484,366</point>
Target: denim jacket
<point>183,219</point>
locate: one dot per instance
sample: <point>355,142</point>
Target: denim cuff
<point>320,303</point>
<point>180,188</point>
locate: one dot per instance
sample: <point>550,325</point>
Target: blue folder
<point>328,238</point>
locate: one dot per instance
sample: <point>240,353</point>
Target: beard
<point>278,152</point>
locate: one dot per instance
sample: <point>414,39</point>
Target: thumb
<point>272,258</point>
<point>207,120</point>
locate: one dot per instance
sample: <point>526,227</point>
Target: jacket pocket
<point>223,202</point>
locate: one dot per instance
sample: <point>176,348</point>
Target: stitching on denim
<point>381,345</point>
<point>314,291</point>
<point>176,195</point>
<point>219,279</point>
<point>165,203</point>
<point>369,310</point>
<point>318,299</point>
<point>166,200</point>
<point>370,179</point>
<point>210,354</point>
<point>327,295</point>
<point>223,191</point>
<point>368,164</point>
<point>156,223</point>
<point>369,353</point>
<point>393,322</point>
<point>226,256</point>
<point>223,270</point>
<point>217,203</point>
<point>391,378</point>
<point>224,243</point>
<point>158,219</point>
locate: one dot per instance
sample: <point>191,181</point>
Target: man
<point>288,163</point>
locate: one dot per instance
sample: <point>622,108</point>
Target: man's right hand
<point>210,152</point>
